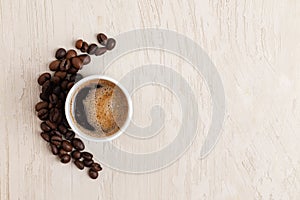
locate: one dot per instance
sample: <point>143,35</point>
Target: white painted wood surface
<point>255,46</point>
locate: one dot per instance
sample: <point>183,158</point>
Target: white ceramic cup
<point>69,107</point>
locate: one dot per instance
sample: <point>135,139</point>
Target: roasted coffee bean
<point>46,87</point>
<point>84,47</point>
<point>62,152</point>
<point>65,158</point>
<point>43,78</point>
<point>60,53</point>
<point>44,96</point>
<point>92,49</point>
<point>54,149</point>
<point>86,59</point>
<point>53,98</point>
<point>93,174</point>
<point>70,135</point>
<point>43,114</point>
<point>78,144</point>
<point>77,62</point>
<point>56,132</point>
<point>40,105</point>
<point>55,80</point>
<point>62,129</point>
<point>71,53</point>
<point>54,65</point>
<point>79,164</point>
<point>67,146</point>
<point>87,155</point>
<point>56,140</point>
<point>76,154</point>
<point>56,90</point>
<point>102,38</point>
<point>78,44</point>
<point>96,167</point>
<point>45,127</point>
<point>54,115</point>
<point>72,70</point>
<point>51,124</point>
<point>64,84</point>
<point>65,65</point>
<point>100,51</point>
<point>111,43</point>
<point>70,85</point>
<point>45,136</point>
<point>60,74</point>
<point>88,163</point>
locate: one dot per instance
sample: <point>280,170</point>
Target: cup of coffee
<point>98,108</point>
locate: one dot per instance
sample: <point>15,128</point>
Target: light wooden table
<point>255,46</point>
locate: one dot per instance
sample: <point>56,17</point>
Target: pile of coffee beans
<point>55,87</point>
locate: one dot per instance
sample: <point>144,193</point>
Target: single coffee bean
<point>76,154</point>
<point>59,104</point>
<point>60,53</point>
<point>87,155</point>
<point>65,158</point>
<point>57,133</point>
<point>79,164</point>
<point>40,105</point>
<point>53,98</point>
<point>102,38</point>
<point>62,129</point>
<point>100,51</point>
<point>43,78</point>
<point>55,80</point>
<point>71,53</point>
<point>60,74</point>
<point>62,152</point>
<point>72,70</point>
<point>93,174</point>
<point>45,127</point>
<point>64,84</point>
<point>51,124</point>
<point>92,49</point>
<point>88,163</point>
<point>78,144</point>
<point>70,135</point>
<point>65,65</point>
<point>84,47</point>
<point>77,62</point>
<point>56,140</point>
<point>67,146</point>
<point>54,65</point>
<point>54,115</point>
<point>78,44</point>
<point>44,96</point>
<point>54,149</point>
<point>96,167</point>
<point>45,136</point>
<point>43,114</point>
<point>111,43</point>
<point>50,106</point>
<point>86,59</point>
<point>70,85</point>
<point>46,87</point>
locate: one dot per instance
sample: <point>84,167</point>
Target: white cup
<point>69,107</point>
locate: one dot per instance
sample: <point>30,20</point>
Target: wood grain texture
<point>255,46</point>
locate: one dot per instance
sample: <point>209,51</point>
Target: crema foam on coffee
<point>99,108</point>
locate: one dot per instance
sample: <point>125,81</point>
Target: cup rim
<point>68,106</point>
